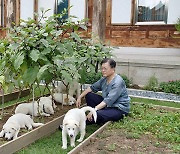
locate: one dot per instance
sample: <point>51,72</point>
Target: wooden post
<point>11,13</point>
<point>35,9</point>
<point>99,20</point>
<point>17,12</point>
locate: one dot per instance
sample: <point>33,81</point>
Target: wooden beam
<point>17,20</point>
<point>99,20</point>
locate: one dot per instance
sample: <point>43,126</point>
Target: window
<point>77,10</point>
<point>26,9</point>
<point>46,4</point>
<point>151,11</point>
<point>121,11</point>
<point>2,13</point>
<point>173,11</point>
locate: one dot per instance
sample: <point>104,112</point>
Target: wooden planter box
<point>14,95</point>
<point>30,137</point>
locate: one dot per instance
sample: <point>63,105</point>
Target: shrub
<point>92,77</point>
<point>170,87</point>
<point>152,84</point>
<point>126,80</point>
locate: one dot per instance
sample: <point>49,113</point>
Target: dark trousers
<point>105,114</point>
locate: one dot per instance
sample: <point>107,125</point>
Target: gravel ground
<point>154,95</point>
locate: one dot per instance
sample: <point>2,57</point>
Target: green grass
<point>145,119</point>
<point>52,144</point>
<point>155,102</point>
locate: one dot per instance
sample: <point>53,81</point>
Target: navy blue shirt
<point>115,93</point>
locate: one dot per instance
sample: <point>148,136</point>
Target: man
<point>114,103</point>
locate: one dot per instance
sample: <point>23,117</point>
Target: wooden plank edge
<point>88,140</point>
<point>30,137</point>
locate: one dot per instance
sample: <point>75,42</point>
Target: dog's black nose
<point>71,135</point>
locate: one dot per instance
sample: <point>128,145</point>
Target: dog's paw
<point>80,140</point>
<point>72,145</point>
<point>30,128</point>
<point>64,147</point>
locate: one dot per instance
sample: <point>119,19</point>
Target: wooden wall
<point>143,36</point>
<point>160,36</point>
<point>119,35</point>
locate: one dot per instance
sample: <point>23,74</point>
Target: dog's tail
<point>37,124</point>
<point>88,108</point>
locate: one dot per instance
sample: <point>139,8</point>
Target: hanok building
<point>143,31</point>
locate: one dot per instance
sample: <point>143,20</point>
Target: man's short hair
<point>111,62</point>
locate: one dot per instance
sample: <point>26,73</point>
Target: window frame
<point>150,22</point>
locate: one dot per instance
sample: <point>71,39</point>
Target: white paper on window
<point>46,4</point>
<point>78,9</point>
<point>26,9</point>
<point>1,16</point>
<point>121,12</point>
<point>173,11</point>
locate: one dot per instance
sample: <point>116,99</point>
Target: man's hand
<point>89,116</point>
<point>78,102</point>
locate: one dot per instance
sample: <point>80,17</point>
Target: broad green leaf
<point>46,44</point>
<point>14,46</point>
<point>30,75</point>
<point>59,32</point>
<point>2,79</point>
<point>83,27</point>
<point>66,76</point>
<point>76,37</point>
<point>41,71</point>
<point>18,61</point>
<point>46,51</point>
<point>34,55</point>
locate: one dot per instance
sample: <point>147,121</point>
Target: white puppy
<point>44,107</point>
<point>62,98</point>
<point>73,122</point>
<point>12,126</point>
<point>74,88</point>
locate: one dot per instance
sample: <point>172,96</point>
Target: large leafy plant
<point>48,50</point>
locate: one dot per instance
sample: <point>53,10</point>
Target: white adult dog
<point>74,88</point>
<point>64,98</point>
<point>73,122</point>
<point>44,107</point>
<point>12,126</point>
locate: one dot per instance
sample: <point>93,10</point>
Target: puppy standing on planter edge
<point>73,122</point>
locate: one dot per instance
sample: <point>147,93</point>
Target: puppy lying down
<point>12,126</point>
<point>62,98</point>
<point>44,108</point>
<point>73,122</point>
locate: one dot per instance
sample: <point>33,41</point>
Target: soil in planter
<point>115,141</point>
<point>59,111</point>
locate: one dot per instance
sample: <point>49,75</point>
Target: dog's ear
<point>14,128</point>
<point>76,124</point>
<point>60,127</point>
